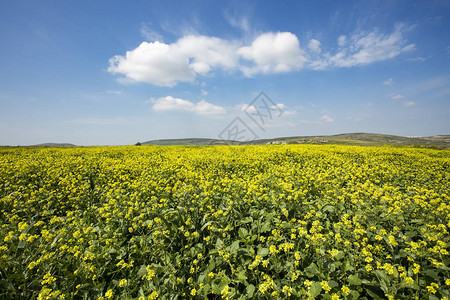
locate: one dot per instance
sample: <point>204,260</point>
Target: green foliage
<point>317,222</point>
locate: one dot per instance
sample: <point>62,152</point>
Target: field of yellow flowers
<point>225,222</point>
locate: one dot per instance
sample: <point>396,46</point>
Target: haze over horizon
<point>114,72</point>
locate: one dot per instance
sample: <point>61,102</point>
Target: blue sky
<point>118,72</point>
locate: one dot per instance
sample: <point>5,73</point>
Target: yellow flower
<point>122,282</point>
<point>345,290</point>
<point>193,292</point>
<point>287,290</point>
<point>109,294</point>
<point>416,268</point>
<point>225,291</point>
<point>409,280</point>
<point>335,297</point>
<point>325,286</point>
<point>153,295</point>
<point>431,289</point>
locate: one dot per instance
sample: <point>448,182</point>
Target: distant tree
<point>138,144</point>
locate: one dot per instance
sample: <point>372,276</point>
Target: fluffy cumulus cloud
<point>272,53</point>
<point>164,64</point>
<point>202,107</point>
<point>155,63</point>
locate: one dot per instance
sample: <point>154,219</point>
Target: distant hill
<point>362,139</point>
<point>54,145</point>
<point>190,142</point>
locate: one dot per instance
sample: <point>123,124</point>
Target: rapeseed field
<point>225,222</point>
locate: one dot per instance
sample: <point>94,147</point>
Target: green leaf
<point>329,208</point>
<point>221,285</point>
<point>21,244</point>
<point>141,293</point>
<point>263,252</point>
<point>354,294</point>
<point>250,290</point>
<point>211,266</point>
<point>242,232</point>
<point>315,290</point>
<point>340,255</point>
<point>332,284</point>
<point>241,275</point>
<point>312,270</point>
<point>266,226</point>
<point>247,220</point>
<point>219,244</point>
<point>433,274</point>
<point>201,278</point>
<point>381,275</point>
<point>234,247</point>
<point>142,271</point>
<point>354,280</point>
<point>374,295</point>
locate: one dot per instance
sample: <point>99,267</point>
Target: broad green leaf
<point>242,232</point>
<point>263,251</point>
<point>315,290</point>
<point>354,280</point>
<point>312,270</point>
<point>340,255</point>
<point>219,244</point>
<point>234,247</point>
<point>332,284</point>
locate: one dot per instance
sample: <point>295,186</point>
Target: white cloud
<point>240,22</point>
<point>409,103</point>
<point>342,40</point>
<point>203,92</point>
<point>278,106</point>
<point>326,119</point>
<point>281,107</point>
<point>206,108</point>
<point>155,63</point>
<point>314,45</point>
<point>167,64</point>
<point>417,59</point>
<point>272,53</point>
<point>368,47</point>
<point>388,81</point>
<point>170,103</point>
<point>289,113</point>
<point>246,107</point>
<point>164,64</point>
<point>396,97</point>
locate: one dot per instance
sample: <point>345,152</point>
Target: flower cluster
<point>263,222</point>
